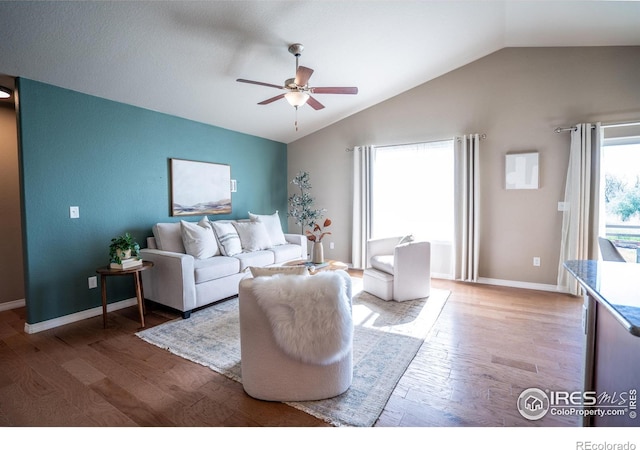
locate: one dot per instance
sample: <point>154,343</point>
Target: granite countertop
<point>616,285</point>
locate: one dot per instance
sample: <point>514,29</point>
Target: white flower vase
<point>317,253</point>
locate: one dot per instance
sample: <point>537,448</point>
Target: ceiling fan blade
<point>335,90</point>
<point>315,104</point>
<point>260,83</point>
<point>302,75</point>
<point>271,100</point>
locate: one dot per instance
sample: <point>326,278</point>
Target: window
<point>412,191</point>
<point>620,189</point>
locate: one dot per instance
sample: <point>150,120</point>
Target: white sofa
<point>196,264</point>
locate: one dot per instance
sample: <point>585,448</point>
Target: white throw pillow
<point>198,239</point>
<point>168,237</point>
<point>253,236</point>
<point>406,239</point>
<point>227,238</point>
<point>273,226</point>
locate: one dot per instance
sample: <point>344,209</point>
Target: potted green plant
<point>122,248</point>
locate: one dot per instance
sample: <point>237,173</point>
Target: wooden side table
<point>136,272</point>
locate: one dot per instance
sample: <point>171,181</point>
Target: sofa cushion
<point>260,258</point>
<point>253,236</point>
<point>285,252</point>
<point>198,239</point>
<point>383,263</point>
<point>273,226</point>
<point>228,238</point>
<point>216,267</point>
<point>169,237</point>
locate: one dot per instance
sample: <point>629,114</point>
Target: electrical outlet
<point>536,261</point>
<point>74,212</point>
<point>93,282</point>
<point>332,245</point>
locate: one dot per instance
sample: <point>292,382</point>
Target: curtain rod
<point>561,130</point>
<point>482,136</point>
<point>607,125</point>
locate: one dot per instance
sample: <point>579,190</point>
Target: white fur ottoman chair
<point>296,336</point>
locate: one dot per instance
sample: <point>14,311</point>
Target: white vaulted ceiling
<point>182,58</point>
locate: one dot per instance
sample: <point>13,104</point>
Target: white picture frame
<point>200,188</point>
<point>522,170</point>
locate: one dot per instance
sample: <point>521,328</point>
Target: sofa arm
<point>298,239</point>
<point>171,281</point>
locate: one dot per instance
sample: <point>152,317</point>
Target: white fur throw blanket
<point>310,315</point>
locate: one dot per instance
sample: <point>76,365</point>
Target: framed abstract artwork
<point>522,170</point>
<point>200,188</point>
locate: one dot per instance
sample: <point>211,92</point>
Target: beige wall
<point>517,96</point>
<point>11,268</point>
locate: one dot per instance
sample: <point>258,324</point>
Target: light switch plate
<point>74,212</point>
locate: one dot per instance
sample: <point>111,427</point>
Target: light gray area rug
<point>387,337</point>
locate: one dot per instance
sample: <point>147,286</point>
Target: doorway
<point>11,264</point>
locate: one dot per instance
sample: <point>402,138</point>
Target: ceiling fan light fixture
<point>297,89</point>
<point>296,98</point>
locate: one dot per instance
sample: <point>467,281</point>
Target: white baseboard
<point>442,276</point>
<point>523,285</point>
<point>12,305</point>
<point>75,317</point>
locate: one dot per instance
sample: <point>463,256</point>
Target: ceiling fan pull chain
<point>296,121</point>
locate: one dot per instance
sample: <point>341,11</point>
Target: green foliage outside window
<point>624,201</point>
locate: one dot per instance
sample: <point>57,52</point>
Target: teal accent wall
<point>112,160</point>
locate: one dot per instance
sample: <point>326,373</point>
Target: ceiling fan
<point>298,90</point>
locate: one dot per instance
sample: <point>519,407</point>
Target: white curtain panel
<point>362,161</point>
<point>579,221</point>
<point>467,211</point>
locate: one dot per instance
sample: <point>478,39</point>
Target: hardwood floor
<point>488,345</point>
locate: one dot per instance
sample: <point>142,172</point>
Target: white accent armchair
<point>398,271</point>
<point>296,336</point>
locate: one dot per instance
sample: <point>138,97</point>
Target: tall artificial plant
<point>301,204</point>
